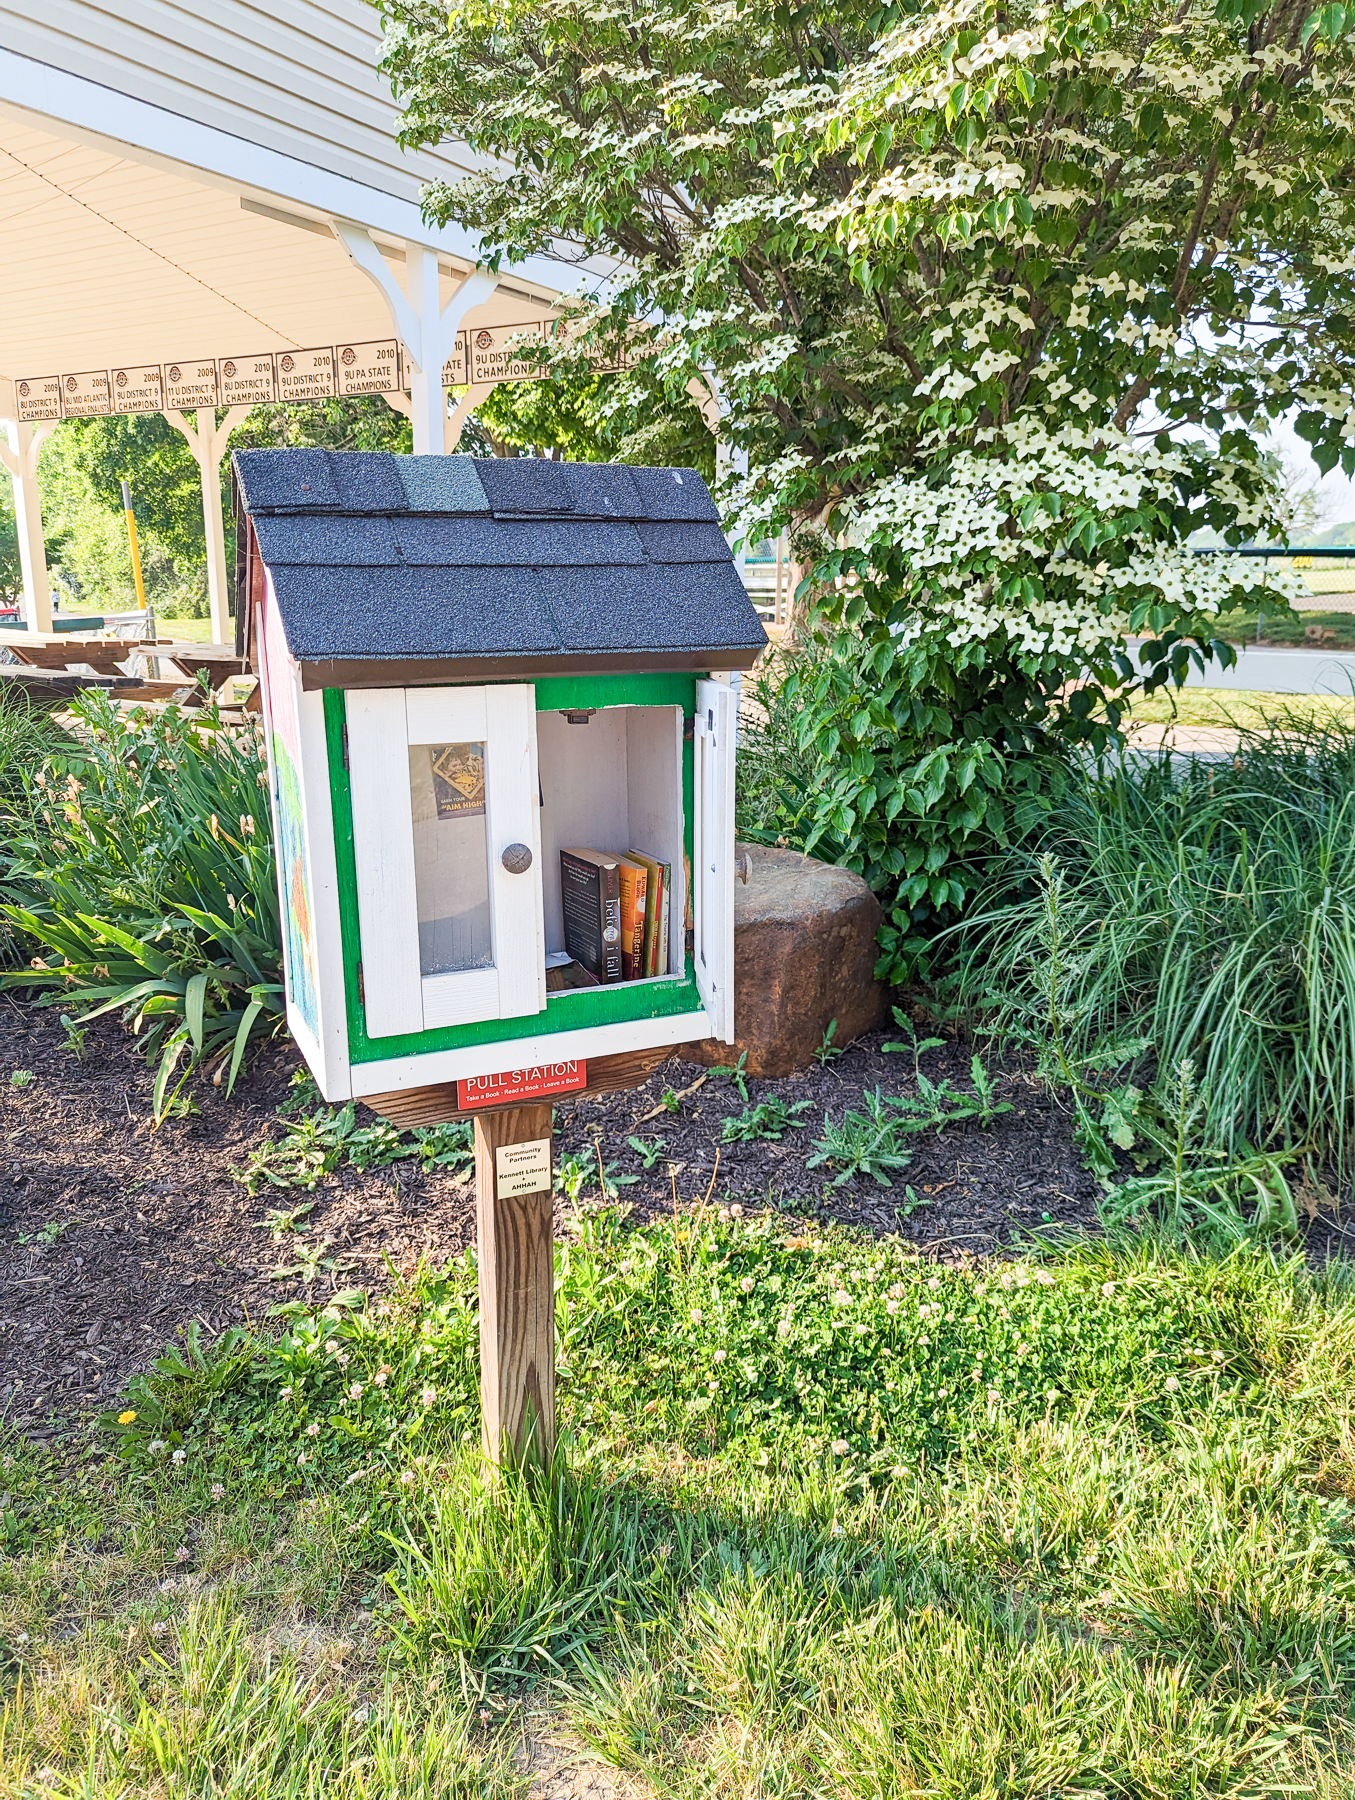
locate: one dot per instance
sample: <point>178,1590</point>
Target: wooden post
<point>517,1283</point>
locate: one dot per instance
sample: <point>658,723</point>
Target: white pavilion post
<point>208,443</point>
<point>19,454</point>
<point>426,328</point>
<point>465,406</point>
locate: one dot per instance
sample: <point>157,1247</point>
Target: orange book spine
<point>633,882</point>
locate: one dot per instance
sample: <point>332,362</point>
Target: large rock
<point>804,955</point>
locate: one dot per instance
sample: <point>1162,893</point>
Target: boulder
<point>804,955</point>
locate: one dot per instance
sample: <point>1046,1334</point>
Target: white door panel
<point>713,839</point>
<point>506,978</point>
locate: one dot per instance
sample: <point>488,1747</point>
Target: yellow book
<point>656,912</point>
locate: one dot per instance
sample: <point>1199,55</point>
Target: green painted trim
<point>564,1012</point>
<point>570,691</point>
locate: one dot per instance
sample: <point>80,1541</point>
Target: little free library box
<point>501,753</point>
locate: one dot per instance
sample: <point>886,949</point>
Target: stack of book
<point>617,912</point>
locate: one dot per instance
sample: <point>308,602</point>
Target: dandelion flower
<point>126,1418</point>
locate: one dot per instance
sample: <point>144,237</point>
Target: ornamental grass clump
<point>141,874</point>
<point>1178,951</point>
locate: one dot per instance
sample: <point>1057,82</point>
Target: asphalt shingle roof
<point>380,558</point>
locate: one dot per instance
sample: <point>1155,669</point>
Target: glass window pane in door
<point>451,857</point>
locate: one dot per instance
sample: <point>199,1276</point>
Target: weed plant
<point>770,1119</point>
<point>1198,917</point>
<point>142,874</point>
<point>828,1520</point>
<point>872,1142</point>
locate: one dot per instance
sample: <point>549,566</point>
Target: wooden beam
<point>517,1286</point>
<point>437,1104</point>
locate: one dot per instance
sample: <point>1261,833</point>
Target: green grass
<point>1224,707</point>
<point>1292,629</point>
<point>1178,948</point>
<point>828,1520</point>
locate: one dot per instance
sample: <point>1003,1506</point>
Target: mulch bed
<point>115,1236</point>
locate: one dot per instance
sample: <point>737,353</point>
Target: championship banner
<point>485,356</point>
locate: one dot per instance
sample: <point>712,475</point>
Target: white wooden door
<point>451,934</point>
<point>713,843</point>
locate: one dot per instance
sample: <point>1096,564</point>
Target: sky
<point>1335,492</point>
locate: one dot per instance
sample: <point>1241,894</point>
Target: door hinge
<point>362,987</point>
<point>344,729</point>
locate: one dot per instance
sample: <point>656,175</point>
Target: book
<point>634,883</point>
<point>590,893</point>
<point>656,912</point>
<point>563,976</point>
<point>662,925</point>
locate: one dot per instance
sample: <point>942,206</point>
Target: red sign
<point>515,1085</point>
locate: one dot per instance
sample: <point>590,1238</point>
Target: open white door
<point>444,788</point>
<point>713,841</point>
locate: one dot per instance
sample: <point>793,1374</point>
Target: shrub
<point>143,871</point>
<point>1189,925</point>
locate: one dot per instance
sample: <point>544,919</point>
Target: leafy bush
<point>1199,915</point>
<point>143,873</point>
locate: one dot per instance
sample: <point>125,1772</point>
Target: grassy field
<point>828,1520</point>
<point>1227,707</point>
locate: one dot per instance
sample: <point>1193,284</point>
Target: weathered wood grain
<point>517,1297</point>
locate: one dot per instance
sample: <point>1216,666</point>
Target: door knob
<point>517,859</point>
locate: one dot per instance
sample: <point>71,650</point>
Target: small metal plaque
<point>522,1168</point>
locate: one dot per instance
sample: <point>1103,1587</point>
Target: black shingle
<point>603,490</point>
<point>338,613</point>
<point>657,608</point>
<point>367,481</point>
<point>674,494</point>
<point>287,480</point>
<point>378,558</point>
<point>325,541</point>
<point>515,543</point>
<point>679,541</point>
<point>524,484</point>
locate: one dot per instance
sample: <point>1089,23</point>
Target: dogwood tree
<point>997,300</point>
